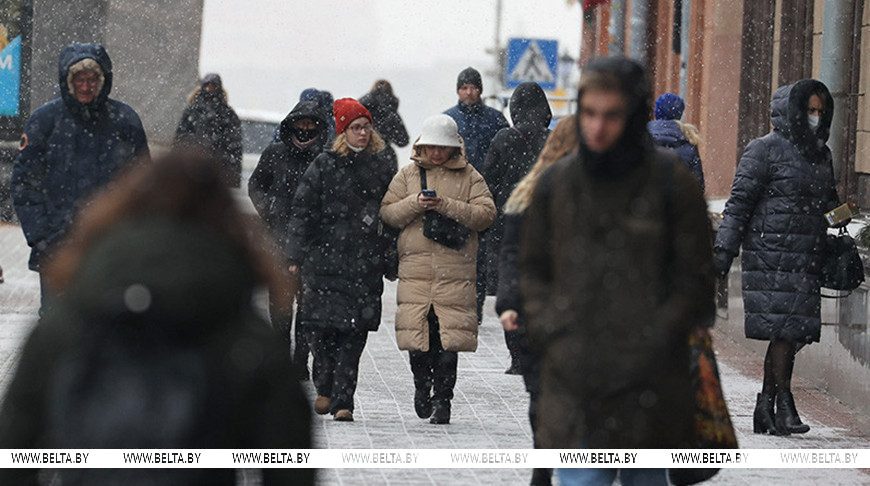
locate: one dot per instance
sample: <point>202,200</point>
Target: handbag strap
<point>422,177</point>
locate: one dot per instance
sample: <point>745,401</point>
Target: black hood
<point>629,151</point>
<point>529,106</point>
<point>304,109</point>
<point>74,53</point>
<point>788,115</point>
<point>379,100</point>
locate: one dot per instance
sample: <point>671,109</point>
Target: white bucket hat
<point>440,130</point>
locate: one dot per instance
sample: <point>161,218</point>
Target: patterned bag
<point>713,428</point>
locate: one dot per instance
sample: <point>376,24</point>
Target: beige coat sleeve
<point>479,212</point>
<point>399,208</point>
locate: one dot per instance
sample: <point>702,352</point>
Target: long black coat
<point>511,155</point>
<point>209,121</point>
<point>273,183</point>
<point>384,108</point>
<point>337,237</point>
<point>783,186</point>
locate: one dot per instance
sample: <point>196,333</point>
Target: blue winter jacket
<point>667,133</point>
<point>68,151</point>
<point>477,125</point>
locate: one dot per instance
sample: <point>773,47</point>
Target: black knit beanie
<point>469,75</point>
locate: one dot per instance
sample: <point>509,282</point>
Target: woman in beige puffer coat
<point>437,307</point>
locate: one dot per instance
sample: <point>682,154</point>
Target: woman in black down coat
<point>337,243</point>
<point>783,186</point>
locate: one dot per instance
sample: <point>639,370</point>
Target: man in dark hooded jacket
<point>384,107</point>
<point>209,122</point>
<point>512,153</point>
<point>71,147</point>
<point>273,185</point>
<point>616,270</point>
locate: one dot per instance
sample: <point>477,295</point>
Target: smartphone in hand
<point>428,193</point>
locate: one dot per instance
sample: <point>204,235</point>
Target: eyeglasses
<point>360,128</point>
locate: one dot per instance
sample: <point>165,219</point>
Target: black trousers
<point>336,364</point>
<point>283,323</point>
<point>435,368</point>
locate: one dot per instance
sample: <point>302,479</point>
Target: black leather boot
<point>786,418</point>
<point>440,412</point>
<point>423,402</point>
<point>762,419</point>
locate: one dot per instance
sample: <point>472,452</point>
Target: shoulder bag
<point>441,229</point>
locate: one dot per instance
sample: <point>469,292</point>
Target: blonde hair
<point>690,131</point>
<point>376,144</point>
<point>562,141</point>
<point>86,64</point>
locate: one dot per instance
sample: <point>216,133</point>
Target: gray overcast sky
<point>269,50</point>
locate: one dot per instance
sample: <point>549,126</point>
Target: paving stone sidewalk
<point>489,410</point>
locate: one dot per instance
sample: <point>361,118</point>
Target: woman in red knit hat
<point>337,243</point>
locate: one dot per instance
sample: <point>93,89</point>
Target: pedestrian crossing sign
<point>532,60</point>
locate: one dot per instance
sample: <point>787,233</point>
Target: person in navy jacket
<point>478,125</point>
<point>71,147</point>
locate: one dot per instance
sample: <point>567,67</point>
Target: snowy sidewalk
<point>489,410</point>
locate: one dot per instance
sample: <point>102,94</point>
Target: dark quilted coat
<point>783,186</point>
<point>337,238</point>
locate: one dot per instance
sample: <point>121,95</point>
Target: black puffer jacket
<point>337,237</point>
<point>208,121</point>
<point>384,108</point>
<point>783,186</point>
<point>274,181</point>
<point>512,153</point>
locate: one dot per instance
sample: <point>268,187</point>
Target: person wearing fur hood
<point>668,131</point>
<point>209,122</point>
<point>437,311</point>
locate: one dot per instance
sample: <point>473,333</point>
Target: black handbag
<point>841,268</point>
<point>441,229</point>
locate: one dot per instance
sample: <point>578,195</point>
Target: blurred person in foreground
<point>615,272</point>
<point>208,121</point>
<point>338,246</point>
<point>153,341</point>
<point>71,147</point>
<point>511,155</point>
<point>668,131</point>
<point>272,187</point>
<point>384,107</point>
<point>437,315</point>
<point>783,186</point>
<point>508,304</point>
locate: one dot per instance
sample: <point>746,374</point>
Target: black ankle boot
<point>514,368</point>
<point>440,412</point>
<point>786,418</point>
<point>423,402</point>
<point>762,419</point>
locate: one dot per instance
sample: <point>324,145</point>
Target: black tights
<point>778,367</point>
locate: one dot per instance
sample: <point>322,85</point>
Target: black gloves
<point>722,260</point>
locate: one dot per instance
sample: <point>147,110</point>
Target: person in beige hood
<point>437,310</point>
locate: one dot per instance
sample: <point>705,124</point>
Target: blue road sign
<point>532,60</point>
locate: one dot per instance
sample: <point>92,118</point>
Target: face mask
<point>813,120</point>
<point>304,135</point>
